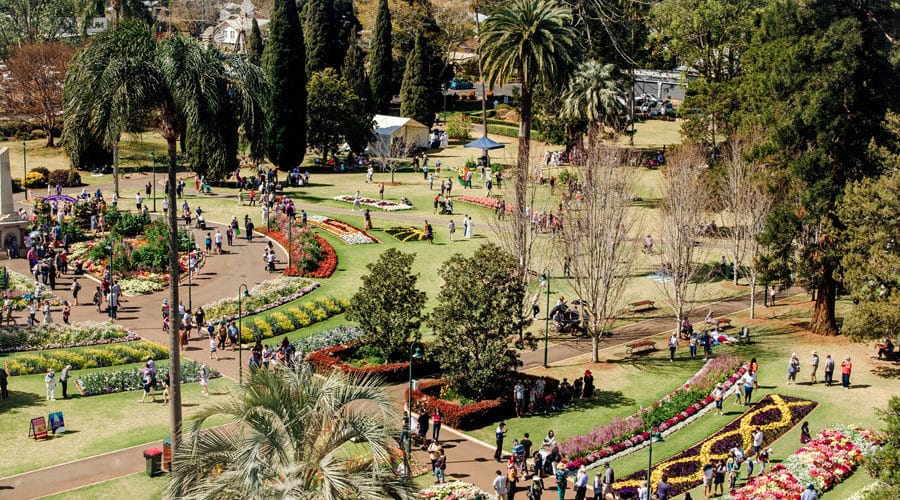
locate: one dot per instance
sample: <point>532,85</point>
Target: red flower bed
<point>458,416</point>
<point>486,202</point>
<point>330,359</point>
<point>327,264</point>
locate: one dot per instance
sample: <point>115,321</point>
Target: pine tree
<point>283,61</point>
<point>255,44</point>
<point>316,27</point>
<point>344,24</point>
<point>415,96</point>
<point>381,60</point>
<point>354,71</point>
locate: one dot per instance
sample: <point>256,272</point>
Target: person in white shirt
<point>500,486</point>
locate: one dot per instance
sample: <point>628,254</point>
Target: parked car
<point>460,84</point>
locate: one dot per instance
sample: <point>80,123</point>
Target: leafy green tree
<point>30,21</point>
<point>291,439</point>
<point>381,60</point>
<point>284,62</point>
<point>354,71</point>
<point>255,44</point>
<point>415,96</point>
<point>710,36</point>
<point>475,317</point>
<point>335,114</point>
<point>126,74</point>
<point>816,128</point>
<point>870,211</point>
<point>388,306</point>
<point>532,40</point>
<point>884,464</point>
<point>316,30</point>
<point>597,94</point>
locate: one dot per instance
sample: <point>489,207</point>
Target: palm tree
<point>293,440</point>
<point>532,40</point>
<point>125,79</point>
<point>596,93</point>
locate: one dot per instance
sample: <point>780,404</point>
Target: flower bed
<point>19,286</point>
<point>332,358</point>
<point>390,206</point>
<point>827,460</point>
<point>292,318</point>
<point>406,233</point>
<point>774,414</point>
<point>453,490</point>
<point>328,338</point>
<point>267,295</point>
<point>89,357</point>
<point>679,405</point>
<point>484,201</point>
<point>13,339</point>
<point>347,233</point>
<point>129,379</point>
<point>143,283</point>
<point>311,255</point>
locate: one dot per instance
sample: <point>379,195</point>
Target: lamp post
<point>24,168</point>
<point>655,437</point>
<point>109,308</point>
<point>415,352</point>
<point>290,243</point>
<point>444,113</point>
<point>153,163</point>
<point>240,329</point>
<point>546,277</point>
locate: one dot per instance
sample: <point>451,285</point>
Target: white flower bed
<point>267,295</point>
<point>456,490</point>
<point>372,202</point>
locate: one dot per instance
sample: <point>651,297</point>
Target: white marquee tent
<point>390,128</point>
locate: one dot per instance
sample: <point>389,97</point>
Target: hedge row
<point>332,358</point>
<point>88,357</point>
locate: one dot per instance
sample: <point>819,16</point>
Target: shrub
<point>332,358</point>
<point>129,379</point>
<point>464,417</point>
<point>64,177</point>
<point>41,170</point>
<point>35,180</point>
<point>458,126</point>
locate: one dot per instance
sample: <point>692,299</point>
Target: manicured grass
<point>655,134</point>
<point>138,485</point>
<point>95,424</point>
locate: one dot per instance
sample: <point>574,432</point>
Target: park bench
<point>641,305</point>
<point>640,346</point>
<point>722,323</point>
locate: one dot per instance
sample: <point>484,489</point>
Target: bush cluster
<point>129,379</point>
<point>292,318</point>
<point>65,178</point>
<point>89,357</point>
<point>335,358</point>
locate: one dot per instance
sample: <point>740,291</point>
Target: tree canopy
<point>336,115</point>
<point>381,60</point>
<point>416,100</point>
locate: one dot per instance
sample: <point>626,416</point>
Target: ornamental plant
<point>266,295</point>
<point>268,325</point>
<point>90,357</point>
<point>58,336</point>
<point>129,379</point>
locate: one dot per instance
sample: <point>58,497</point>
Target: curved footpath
<point>468,459</point>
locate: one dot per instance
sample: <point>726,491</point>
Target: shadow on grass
<point>19,399</point>
<point>887,372</point>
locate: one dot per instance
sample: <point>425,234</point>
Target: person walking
<point>500,485</point>
<point>846,368</point>
<point>673,344</point>
<point>748,387</point>
<point>809,493</point>
<point>581,480</point>
<point>829,370</point>
<point>664,489</point>
<point>814,366</point>
<point>792,368</point>
<point>204,380</point>
<point>718,396</point>
<point>451,229</point>
<point>50,384</point>
<point>499,434</point>
<point>562,482</point>
<point>440,466</point>
<point>64,380</point>
<point>609,478</point>
<point>436,425</point>
<point>76,287</point>
<point>4,382</point>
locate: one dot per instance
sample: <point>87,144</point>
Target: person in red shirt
<point>846,367</point>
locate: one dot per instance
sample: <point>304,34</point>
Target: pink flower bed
<point>485,202</point>
<point>621,434</point>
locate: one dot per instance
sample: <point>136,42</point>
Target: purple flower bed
<point>623,433</point>
<point>685,469</point>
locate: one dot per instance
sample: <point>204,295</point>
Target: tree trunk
<point>115,158</point>
<point>823,319</point>
<point>736,273</point>
<point>174,321</point>
<point>753,297</point>
<point>595,346</point>
<point>522,166</point>
<point>631,101</point>
<point>50,142</point>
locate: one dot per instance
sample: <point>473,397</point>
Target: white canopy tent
<point>398,128</point>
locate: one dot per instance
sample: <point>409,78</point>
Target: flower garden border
<point>388,206</point>
<point>348,233</point>
<point>330,358</point>
<point>327,264</point>
<point>484,201</point>
<point>269,306</point>
<point>40,332</point>
<point>637,441</point>
<point>685,469</point>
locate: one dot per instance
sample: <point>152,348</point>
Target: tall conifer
<point>284,61</point>
<point>415,96</point>
<point>255,44</point>
<point>354,71</point>
<point>316,27</point>
<point>381,61</point>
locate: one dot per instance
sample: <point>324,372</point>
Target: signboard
<point>57,424</point>
<point>38,428</point>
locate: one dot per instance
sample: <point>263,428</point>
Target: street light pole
<point>655,437</point>
<point>444,113</point>
<point>109,308</point>
<point>546,276</point>
<point>240,329</point>
<point>415,352</point>
<point>153,162</point>
<point>290,244</point>
<point>24,168</point>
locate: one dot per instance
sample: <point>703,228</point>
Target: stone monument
<point>12,225</point>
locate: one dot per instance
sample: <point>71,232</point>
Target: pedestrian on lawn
<point>204,380</point>
<point>4,382</point>
<point>829,370</point>
<point>814,366</point>
<point>846,368</point>
<point>440,466</point>
<point>805,436</point>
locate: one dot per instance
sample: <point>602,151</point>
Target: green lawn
<point>94,425</point>
<point>134,486</point>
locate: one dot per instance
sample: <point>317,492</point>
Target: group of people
<point>793,368</point>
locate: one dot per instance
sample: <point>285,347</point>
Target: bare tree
<point>391,152</point>
<point>456,26</point>
<point>35,90</point>
<point>747,203</point>
<point>684,204</point>
<point>593,239</point>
